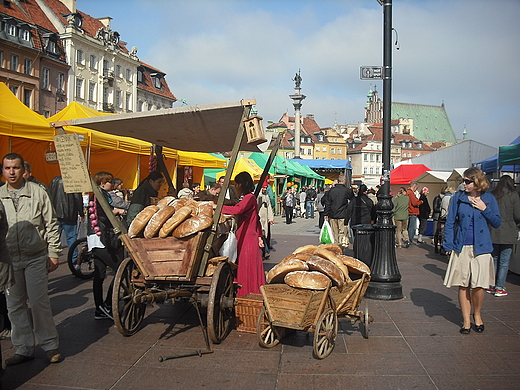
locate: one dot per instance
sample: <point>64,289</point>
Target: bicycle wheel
<point>80,260</point>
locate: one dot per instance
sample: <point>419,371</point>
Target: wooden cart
<point>312,311</point>
<point>159,269</point>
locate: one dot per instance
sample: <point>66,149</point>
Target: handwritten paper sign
<point>74,172</point>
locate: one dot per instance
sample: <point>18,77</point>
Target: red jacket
<point>413,203</point>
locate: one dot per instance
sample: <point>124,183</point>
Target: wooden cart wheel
<point>366,321</point>
<point>325,334</point>
<point>268,335</point>
<point>128,314</point>
<point>220,303</point>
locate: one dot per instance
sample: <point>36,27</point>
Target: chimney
<point>310,116</point>
<point>70,4</point>
<point>106,21</point>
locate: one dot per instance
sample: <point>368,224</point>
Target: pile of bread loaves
<point>178,217</point>
<point>316,267</point>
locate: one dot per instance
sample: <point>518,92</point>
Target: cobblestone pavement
<point>414,342</point>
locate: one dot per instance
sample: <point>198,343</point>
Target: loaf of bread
<point>298,256</point>
<point>278,272</point>
<point>158,219</point>
<point>326,254</point>
<point>178,203</point>
<point>192,225</point>
<point>328,268</point>
<point>333,248</point>
<point>311,280</point>
<point>305,249</point>
<point>355,265</point>
<point>141,220</point>
<point>205,208</point>
<point>166,201</point>
<point>174,221</point>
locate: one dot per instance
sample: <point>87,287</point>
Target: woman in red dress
<point>250,273</point>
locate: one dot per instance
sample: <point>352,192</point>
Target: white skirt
<point>467,270</point>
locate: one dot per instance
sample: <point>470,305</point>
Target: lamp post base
<point>384,291</point>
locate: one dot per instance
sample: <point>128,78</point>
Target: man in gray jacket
<point>34,245</point>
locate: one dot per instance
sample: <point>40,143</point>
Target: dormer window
<point>140,75</point>
<point>156,80</point>
<point>26,35</point>
<point>11,29</point>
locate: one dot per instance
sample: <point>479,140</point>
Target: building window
<point>365,157</point>
<point>128,101</point>
<point>371,171</point>
<point>93,62</point>
<point>128,75</point>
<point>317,148</point>
<point>11,30</point>
<point>79,88</point>
<point>26,35</point>
<point>417,154</point>
<point>27,66</point>
<point>118,70</point>
<point>339,150</point>
<point>333,150</point>
<point>14,63</point>
<point>27,93</point>
<point>105,68</point>
<point>140,76</point>
<point>1,59</point>
<point>409,154</point>
<point>324,148</point>
<point>365,171</point>
<point>61,82</point>
<point>404,155</point>
<point>140,106</point>
<point>79,57</point>
<point>45,78</point>
<point>91,91</point>
<point>378,157</point>
<point>118,98</point>
<point>157,82</point>
<point>14,90</point>
<point>371,157</point>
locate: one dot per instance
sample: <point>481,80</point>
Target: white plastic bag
<point>229,247</point>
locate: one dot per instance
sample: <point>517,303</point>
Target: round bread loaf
<point>174,221</point>
<point>297,256</point>
<point>333,248</point>
<point>331,256</point>
<point>141,220</point>
<point>328,268</point>
<point>166,201</point>
<point>305,249</point>
<point>192,225</point>
<point>158,219</point>
<point>205,208</point>
<point>278,272</point>
<point>355,265</point>
<point>311,280</point>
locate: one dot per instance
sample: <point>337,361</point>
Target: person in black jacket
<point>424,213</point>
<point>360,209</point>
<point>336,202</point>
<point>68,207</point>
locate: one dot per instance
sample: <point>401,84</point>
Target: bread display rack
<point>168,268</point>
<point>312,311</point>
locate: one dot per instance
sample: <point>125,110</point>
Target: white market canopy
<point>205,128</point>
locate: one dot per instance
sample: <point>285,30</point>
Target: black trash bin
<point>364,242</point>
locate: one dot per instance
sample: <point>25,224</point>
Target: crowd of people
<point>475,227</point>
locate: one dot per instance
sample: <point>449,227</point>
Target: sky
<point>463,53</point>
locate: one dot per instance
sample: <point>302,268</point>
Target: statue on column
<point>297,80</point>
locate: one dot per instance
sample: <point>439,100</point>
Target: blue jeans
<point>70,234</point>
<point>309,209</point>
<point>412,226</point>
<point>501,256</point>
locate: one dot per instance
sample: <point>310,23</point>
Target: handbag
<point>326,236</point>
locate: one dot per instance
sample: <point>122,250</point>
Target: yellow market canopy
<point>247,165</point>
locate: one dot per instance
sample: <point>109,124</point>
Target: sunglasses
<point>468,181</point>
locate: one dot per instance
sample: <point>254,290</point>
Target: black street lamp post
<point>386,278</point>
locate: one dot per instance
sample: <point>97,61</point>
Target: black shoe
<point>17,359</point>
<point>464,330</point>
<point>478,328</point>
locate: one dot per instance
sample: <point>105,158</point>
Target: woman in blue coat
<point>467,240</point>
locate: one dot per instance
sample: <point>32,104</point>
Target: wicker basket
<point>247,311</point>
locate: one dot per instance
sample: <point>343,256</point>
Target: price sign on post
<point>73,167</point>
<point>371,72</point>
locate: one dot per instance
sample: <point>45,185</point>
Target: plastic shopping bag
<point>326,236</point>
<point>229,248</point>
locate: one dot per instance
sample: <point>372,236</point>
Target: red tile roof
<point>147,84</point>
